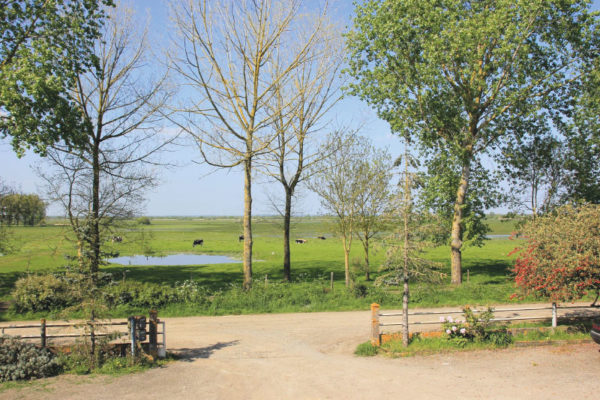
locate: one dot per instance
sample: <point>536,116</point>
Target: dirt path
<point>309,356</point>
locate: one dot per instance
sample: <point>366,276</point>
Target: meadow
<point>44,249</point>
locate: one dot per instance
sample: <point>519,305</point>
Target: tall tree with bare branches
<point>230,62</point>
<point>299,110</point>
<point>104,178</point>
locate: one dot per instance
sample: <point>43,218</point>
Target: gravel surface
<point>310,356</point>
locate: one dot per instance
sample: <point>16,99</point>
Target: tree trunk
<point>247,222</point>
<point>405,333</point>
<point>407,210</point>
<point>366,246</point>
<point>95,224</point>
<point>286,236</point>
<point>346,261</point>
<point>457,233</point>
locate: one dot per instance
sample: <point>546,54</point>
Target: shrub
<point>561,259</point>
<point>143,221</point>
<point>139,294</point>
<point>20,360</point>
<point>43,293</point>
<point>190,292</point>
<point>474,327</point>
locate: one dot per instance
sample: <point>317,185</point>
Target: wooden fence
<point>540,314</point>
<point>91,329</point>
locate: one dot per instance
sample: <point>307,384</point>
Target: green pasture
<point>43,249</point>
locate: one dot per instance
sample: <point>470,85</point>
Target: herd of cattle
<point>200,242</point>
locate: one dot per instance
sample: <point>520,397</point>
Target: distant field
<point>44,249</point>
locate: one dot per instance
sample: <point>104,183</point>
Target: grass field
<point>43,249</point>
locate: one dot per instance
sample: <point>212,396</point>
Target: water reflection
<point>173,259</point>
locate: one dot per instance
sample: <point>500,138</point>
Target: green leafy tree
<point>462,74</point>
<point>27,209</point>
<point>44,45</point>
<point>438,182</point>
<point>534,166</point>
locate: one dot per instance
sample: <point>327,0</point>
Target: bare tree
<point>373,199</point>
<point>404,246</point>
<point>299,108</point>
<point>340,181</point>
<point>229,62</point>
<point>104,179</point>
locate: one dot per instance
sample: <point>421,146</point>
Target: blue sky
<point>193,189</point>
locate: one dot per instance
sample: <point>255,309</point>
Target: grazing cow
<point>240,238</point>
<point>198,242</point>
<point>321,237</point>
<point>301,241</point>
<point>117,239</point>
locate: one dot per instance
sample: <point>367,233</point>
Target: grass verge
<point>530,334</point>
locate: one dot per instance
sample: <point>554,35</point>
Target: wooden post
<point>266,280</point>
<point>132,335</point>
<point>375,337</point>
<point>554,315</point>
<point>93,339</point>
<point>43,331</point>
<point>153,333</point>
<point>331,281</point>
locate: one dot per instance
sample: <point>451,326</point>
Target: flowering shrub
<point>561,259</point>
<point>475,328</point>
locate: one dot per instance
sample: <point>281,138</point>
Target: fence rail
<point>43,336</point>
<point>376,316</point>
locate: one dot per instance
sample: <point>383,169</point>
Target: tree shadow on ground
<point>203,352</point>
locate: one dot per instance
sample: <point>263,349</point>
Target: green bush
<point>20,360</point>
<point>43,293</point>
<point>143,221</point>
<point>139,294</point>
<point>476,327</point>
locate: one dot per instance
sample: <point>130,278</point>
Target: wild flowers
<point>475,327</point>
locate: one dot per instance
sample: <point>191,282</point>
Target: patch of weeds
<point>366,350</point>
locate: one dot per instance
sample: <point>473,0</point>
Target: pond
<point>173,259</point>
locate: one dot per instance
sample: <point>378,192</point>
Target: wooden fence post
<point>93,338</point>
<point>554,315</point>
<point>331,281</point>
<point>132,323</point>
<point>43,331</point>
<point>153,333</point>
<point>375,338</point>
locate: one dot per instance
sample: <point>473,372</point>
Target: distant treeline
<point>24,209</point>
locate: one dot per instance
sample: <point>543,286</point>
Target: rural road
<point>309,356</point>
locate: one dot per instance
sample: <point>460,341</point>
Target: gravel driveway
<point>309,356</point>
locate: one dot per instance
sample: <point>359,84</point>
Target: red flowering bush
<point>561,258</point>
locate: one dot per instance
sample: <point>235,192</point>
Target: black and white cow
<point>240,238</point>
<point>198,242</point>
<point>301,241</point>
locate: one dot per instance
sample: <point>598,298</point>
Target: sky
<point>191,188</point>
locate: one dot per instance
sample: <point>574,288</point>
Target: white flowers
<point>454,328</point>
<point>463,331</point>
<point>448,331</point>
